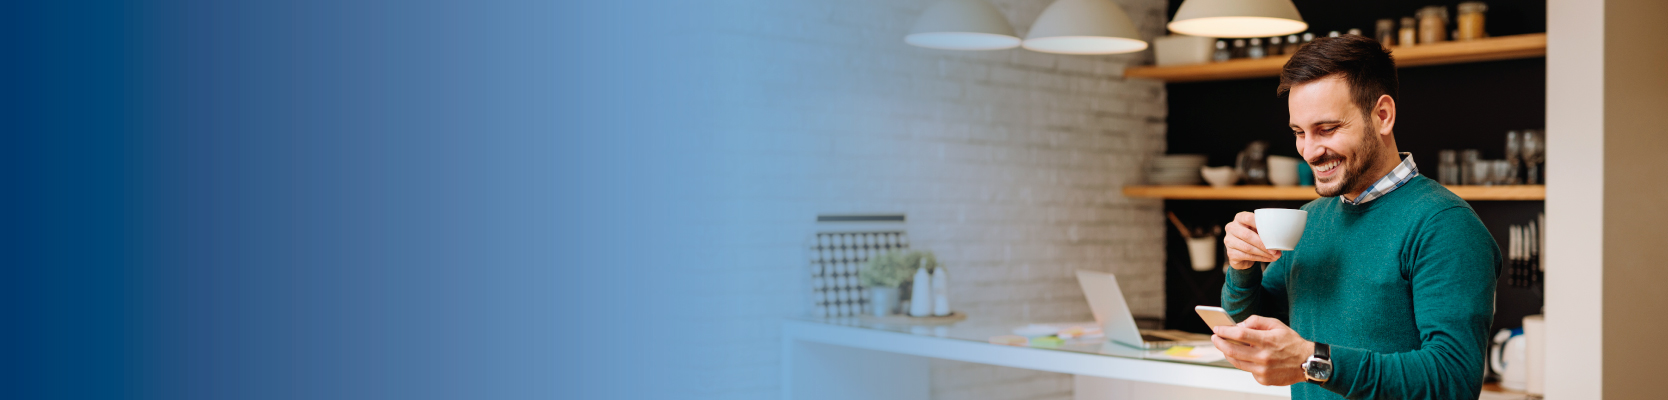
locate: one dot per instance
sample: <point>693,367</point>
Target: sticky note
<point>1180,352</point>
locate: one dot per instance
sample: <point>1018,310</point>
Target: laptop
<point>1112,313</point>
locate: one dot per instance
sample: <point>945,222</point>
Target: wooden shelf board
<point>1470,193</point>
<point>1491,49</point>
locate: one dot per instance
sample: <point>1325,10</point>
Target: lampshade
<point>963,25</point>
<point>1084,27</point>
<point>1237,18</point>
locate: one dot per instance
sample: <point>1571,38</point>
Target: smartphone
<point>1216,316</point>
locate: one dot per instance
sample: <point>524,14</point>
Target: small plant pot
<point>883,301</point>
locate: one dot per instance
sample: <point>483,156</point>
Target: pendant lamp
<point>1237,18</point>
<point>962,25</point>
<point>1084,27</point>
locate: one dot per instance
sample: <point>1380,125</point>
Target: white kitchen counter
<point>847,358</point>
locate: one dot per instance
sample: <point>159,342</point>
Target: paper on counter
<point>1201,354</point>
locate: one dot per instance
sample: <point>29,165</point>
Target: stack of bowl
<point>1175,169</point>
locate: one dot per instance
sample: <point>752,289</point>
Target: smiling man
<point>1390,292</point>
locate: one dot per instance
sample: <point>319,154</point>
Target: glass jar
<point>1252,163</point>
<point>1386,32</point>
<point>1291,44</point>
<point>1469,160</point>
<point>1471,21</point>
<point>1239,49</point>
<point>1409,33</point>
<point>1221,53</point>
<point>1274,47</point>
<point>1433,24</point>
<point>1514,151</point>
<point>1256,50</point>
<point>1448,172</point>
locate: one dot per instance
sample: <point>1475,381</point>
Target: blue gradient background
<point>357,200</point>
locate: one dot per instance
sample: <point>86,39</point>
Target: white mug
<point>1202,250</point>
<point>1280,228</point>
<point>1282,171</point>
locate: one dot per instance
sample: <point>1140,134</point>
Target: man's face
<point>1337,140</point>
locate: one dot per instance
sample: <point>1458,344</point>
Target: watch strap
<point>1323,351</point>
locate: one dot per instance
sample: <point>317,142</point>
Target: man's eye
<point>1329,129</point>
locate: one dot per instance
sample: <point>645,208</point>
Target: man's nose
<point>1310,150</point>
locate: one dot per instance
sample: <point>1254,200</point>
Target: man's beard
<point>1356,169</point>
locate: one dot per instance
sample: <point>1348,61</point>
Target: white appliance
<point>1508,357</point>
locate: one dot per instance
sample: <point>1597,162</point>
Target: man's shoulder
<point>1424,195</point>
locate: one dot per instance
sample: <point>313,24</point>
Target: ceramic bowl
<point>1219,177</point>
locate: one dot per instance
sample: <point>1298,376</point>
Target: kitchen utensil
<point>1180,227</point>
<point>1280,228</point>
<point>1219,177</point>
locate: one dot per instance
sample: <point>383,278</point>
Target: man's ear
<point>1384,115</point>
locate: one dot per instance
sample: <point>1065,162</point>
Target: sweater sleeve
<point>1452,269</point>
<point>1253,291</point>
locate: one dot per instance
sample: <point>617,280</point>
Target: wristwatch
<point>1318,369</point>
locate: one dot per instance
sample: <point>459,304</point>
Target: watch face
<point>1322,374</point>
<point>1320,371</point>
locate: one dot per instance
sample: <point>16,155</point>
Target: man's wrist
<point>1317,369</point>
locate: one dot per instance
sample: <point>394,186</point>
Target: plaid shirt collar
<point>1405,171</point>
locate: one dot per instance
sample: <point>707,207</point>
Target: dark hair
<point>1360,61</point>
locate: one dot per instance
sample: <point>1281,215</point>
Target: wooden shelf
<point>1491,49</point>
<point>1470,193</point>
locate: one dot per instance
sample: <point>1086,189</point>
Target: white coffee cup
<point>1282,171</point>
<point>1280,228</point>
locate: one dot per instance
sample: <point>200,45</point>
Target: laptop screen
<point>1111,311</point>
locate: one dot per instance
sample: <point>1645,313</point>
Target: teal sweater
<point>1402,288</point>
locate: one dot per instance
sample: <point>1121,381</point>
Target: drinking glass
<point>1448,171</point>
<point>1469,167</point>
<point>1514,147</point>
<point>1502,174</point>
<point>1534,152</point>
<point>1482,173</point>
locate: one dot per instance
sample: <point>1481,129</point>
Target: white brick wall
<point>1008,164</point>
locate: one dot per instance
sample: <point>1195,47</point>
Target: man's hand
<point>1245,246</point>
<point>1273,353</point>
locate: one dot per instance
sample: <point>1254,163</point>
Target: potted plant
<point>885,274</point>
